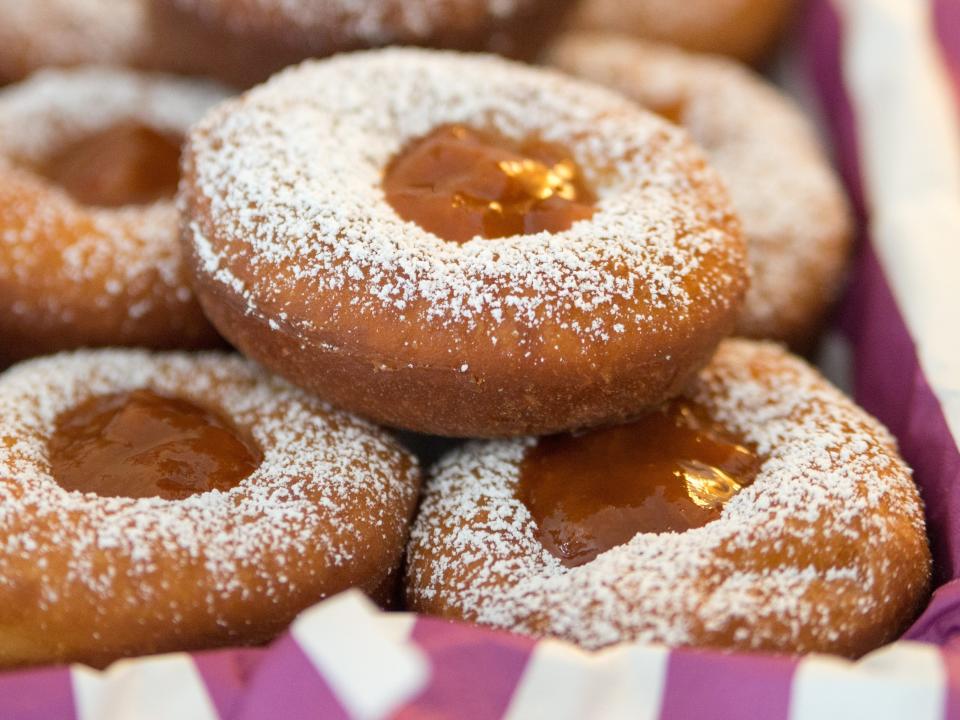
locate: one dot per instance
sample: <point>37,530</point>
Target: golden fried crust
<point>325,284</point>
<point>48,308</point>
<point>744,29</point>
<point>73,275</point>
<point>89,579</point>
<point>824,552</point>
<point>243,42</point>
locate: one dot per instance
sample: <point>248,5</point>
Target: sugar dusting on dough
<point>377,23</point>
<point>289,181</point>
<point>321,468</point>
<point>119,252</point>
<point>793,209</point>
<point>828,501</point>
<point>41,33</point>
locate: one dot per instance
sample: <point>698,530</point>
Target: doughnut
<point>277,33</point>
<point>39,33</point>
<point>795,214</point>
<point>761,510</point>
<point>747,30</point>
<point>608,268</point>
<point>89,250</point>
<point>161,502</point>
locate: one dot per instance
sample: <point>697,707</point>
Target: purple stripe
<point>941,620</point>
<point>704,684</point>
<point>891,385</point>
<point>821,35</point>
<point>37,695</point>
<point>946,18</point>
<point>226,674</point>
<point>287,685</point>
<point>474,671</point>
<point>889,380</point>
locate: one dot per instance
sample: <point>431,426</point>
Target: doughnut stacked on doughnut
<point>300,260</point>
<point>794,212</point>
<point>445,243</point>
<point>743,29</point>
<point>89,575</point>
<point>88,231</point>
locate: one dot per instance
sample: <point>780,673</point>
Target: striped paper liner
<point>888,75</point>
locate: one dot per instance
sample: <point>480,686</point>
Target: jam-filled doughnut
<point>745,29</point>
<point>156,502</point>
<point>459,244</point>
<point>89,256</point>
<point>760,510</point>
<point>793,208</point>
<point>278,33</point>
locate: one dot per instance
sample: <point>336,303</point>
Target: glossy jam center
<point>126,164</point>
<point>141,444</point>
<point>668,472</point>
<point>460,183</point>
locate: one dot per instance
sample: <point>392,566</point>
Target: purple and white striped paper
<point>888,75</point>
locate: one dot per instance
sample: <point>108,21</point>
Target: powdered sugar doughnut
<point>74,274</point>
<point>41,33</point>
<point>744,29</point>
<point>89,578</point>
<point>301,262</point>
<point>825,551</point>
<point>794,211</point>
<point>281,32</point>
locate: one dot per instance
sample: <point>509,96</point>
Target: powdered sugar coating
<point>40,33</point>
<point>825,551</point>
<point>330,493</point>
<point>373,23</point>
<point>794,212</point>
<point>282,191</point>
<point>62,262</point>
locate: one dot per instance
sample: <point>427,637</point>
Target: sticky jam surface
<point>126,164</point>
<point>459,183</point>
<point>142,444</point>
<point>671,471</point>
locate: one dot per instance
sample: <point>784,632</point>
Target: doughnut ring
<point>743,29</point>
<point>89,254</point>
<point>99,559</point>
<point>794,212</point>
<point>43,33</point>
<point>824,552</point>
<point>279,33</point>
<point>567,315</point>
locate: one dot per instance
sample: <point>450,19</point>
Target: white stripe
<point>562,681</point>
<point>395,626</point>
<point>903,680</point>
<point>910,154</point>
<point>166,687</point>
<point>364,657</point>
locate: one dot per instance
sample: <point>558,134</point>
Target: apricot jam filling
<point>670,471</point>
<point>460,183</point>
<point>126,164</point>
<point>141,444</point>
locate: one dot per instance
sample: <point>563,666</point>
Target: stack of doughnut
<point>591,270</point>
